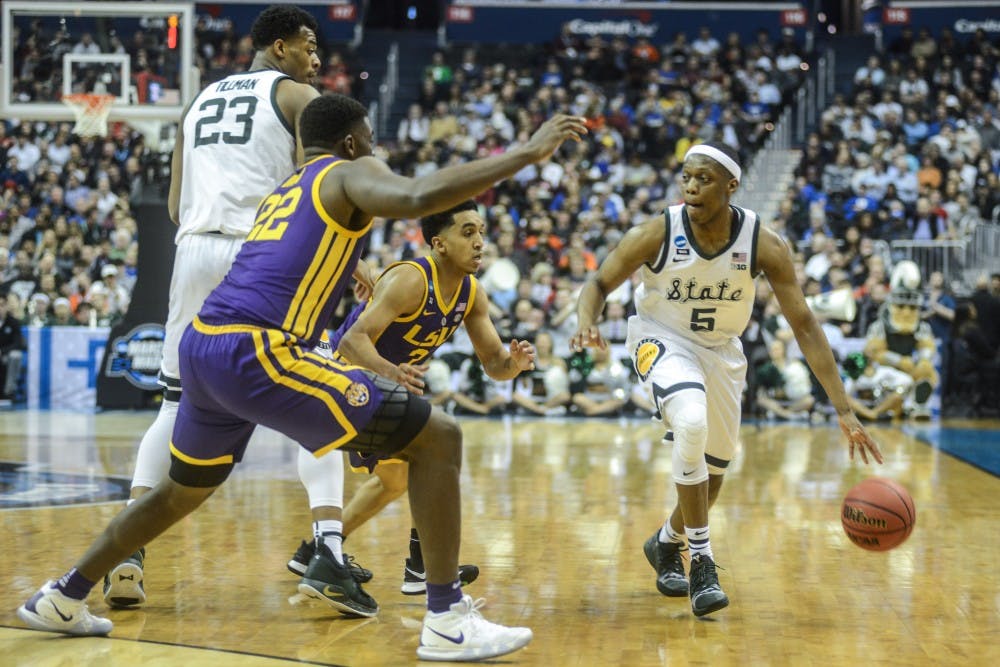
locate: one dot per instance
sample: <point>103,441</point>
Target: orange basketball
<point>878,514</point>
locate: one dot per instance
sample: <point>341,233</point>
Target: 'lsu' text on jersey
<point>235,122</point>
<point>296,263</point>
<point>415,337</point>
<point>705,299</point>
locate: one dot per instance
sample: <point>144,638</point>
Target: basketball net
<point>91,113</point>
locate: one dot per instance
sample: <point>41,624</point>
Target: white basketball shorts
<point>200,264</point>
<point>669,364</point>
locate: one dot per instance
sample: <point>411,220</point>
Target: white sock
<point>698,541</point>
<point>668,534</point>
<point>332,532</point>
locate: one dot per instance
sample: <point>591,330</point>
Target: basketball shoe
<point>665,557</point>
<point>332,582</point>
<point>706,594</point>
<point>123,585</point>
<point>300,562</point>
<point>462,634</point>
<point>50,610</point>
<point>415,577</point>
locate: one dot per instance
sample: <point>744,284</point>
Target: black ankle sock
<point>416,555</point>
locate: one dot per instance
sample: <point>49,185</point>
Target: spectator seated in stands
<point>544,390</point>
<point>784,385</point>
<point>875,392</point>
<point>478,393</point>
<point>600,384</point>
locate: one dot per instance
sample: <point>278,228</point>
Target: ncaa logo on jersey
<point>357,395</point>
<point>680,241</point>
<point>136,356</point>
<point>647,353</point>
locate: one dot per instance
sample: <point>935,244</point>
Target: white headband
<point>718,156</point>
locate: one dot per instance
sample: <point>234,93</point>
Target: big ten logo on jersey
<point>739,261</point>
<point>425,341</point>
<point>273,212</point>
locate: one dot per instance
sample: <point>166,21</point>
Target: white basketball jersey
<point>237,148</point>
<point>705,299</point>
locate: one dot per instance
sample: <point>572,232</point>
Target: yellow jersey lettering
<point>433,339</point>
<point>272,220</point>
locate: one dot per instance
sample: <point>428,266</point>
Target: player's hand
<point>858,438</point>
<point>362,291</point>
<point>553,133</point>
<point>411,377</point>
<point>587,337</point>
<point>365,277</point>
<point>522,354</point>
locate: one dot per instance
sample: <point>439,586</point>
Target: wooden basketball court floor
<point>555,514</point>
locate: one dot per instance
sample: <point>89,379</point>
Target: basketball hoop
<point>91,113</point>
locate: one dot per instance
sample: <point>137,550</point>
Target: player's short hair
<point>280,22</point>
<point>433,225</point>
<point>328,119</point>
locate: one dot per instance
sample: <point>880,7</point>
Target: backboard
<point>140,52</point>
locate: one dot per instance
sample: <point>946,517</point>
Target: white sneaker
<point>462,634</point>
<point>50,610</point>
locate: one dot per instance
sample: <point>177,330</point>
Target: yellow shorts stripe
<point>275,343</point>
<point>217,461</point>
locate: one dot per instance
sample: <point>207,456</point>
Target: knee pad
<point>687,472</point>
<point>690,426</point>
<point>322,477</point>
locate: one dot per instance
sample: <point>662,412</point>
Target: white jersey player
<point>236,142</point>
<point>698,262</point>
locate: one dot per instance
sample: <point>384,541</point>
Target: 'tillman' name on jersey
<point>238,84</point>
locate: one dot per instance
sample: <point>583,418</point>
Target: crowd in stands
<point>911,152</point>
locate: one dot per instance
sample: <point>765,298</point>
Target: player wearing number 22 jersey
<point>248,350</point>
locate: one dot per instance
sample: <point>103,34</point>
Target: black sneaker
<point>300,562</point>
<point>332,582</point>
<point>415,579</point>
<point>123,585</point>
<point>706,595</point>
<point>666,560</point>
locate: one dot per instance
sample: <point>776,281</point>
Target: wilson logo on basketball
<point>855,515</point>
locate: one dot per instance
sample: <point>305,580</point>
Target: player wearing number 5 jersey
<point>235,143</point>
<point>698,264</point>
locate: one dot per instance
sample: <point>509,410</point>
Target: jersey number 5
<point>244,106</point>
<point>700,320</point>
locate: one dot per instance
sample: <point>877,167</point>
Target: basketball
<point>878,514</point>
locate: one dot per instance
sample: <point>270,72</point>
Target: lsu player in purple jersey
<point>698,262</point>
<point>240,131</point>
<point>247,360</point>
<point>416,307</point>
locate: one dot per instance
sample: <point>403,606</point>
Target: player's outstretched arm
<point>398,293</point>
<point>639,246</point>
<point>499,362</point>
<point>775,260</point>
<point>372,187</point>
